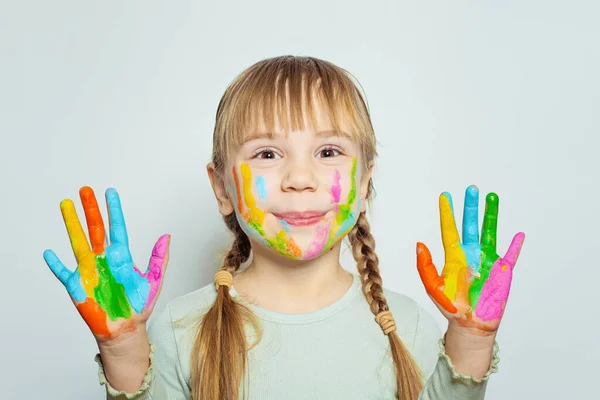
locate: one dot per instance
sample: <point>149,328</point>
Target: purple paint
<point>336,189</point>
<point>317,245</point>
<point>494,293</point>
<point>155,271</point>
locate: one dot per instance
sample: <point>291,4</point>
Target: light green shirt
<point>338,352</point>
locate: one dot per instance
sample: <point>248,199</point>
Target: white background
<point>124,94</point>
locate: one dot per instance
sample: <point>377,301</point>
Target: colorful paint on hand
<point>475,279</point>
<point>106,286</point>
<point>252,218</point>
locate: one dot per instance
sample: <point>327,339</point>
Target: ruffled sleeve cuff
<point>117,394</point>
<point>467,378</point>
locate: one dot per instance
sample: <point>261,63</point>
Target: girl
<point>291,172</point>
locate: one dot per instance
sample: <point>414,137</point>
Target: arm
<point>446,375</point>
<point>471,293</point>
<point>162,379</point>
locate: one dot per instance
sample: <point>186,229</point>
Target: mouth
<point>304,218</point>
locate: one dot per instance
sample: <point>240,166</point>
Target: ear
<point>218,184</point>
<point>364,186</point>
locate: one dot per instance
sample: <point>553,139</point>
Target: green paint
<point>490,221</point>
<point>488,258</point>
<point>488,254</point>
<point>110,294</point>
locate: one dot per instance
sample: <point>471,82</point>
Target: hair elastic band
<point>386,321</point>
<point>223,278</point>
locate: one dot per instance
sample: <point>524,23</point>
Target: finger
<point>470,233</point>
<point>79,243</point>
<point>157,267</point>
<point>118,231</point>
<point>71,280</point>
<point>57,267</point>
<point>93,218</point>
<point>494,294</point>
<point>447,222</point>
<point>512,254</point>
<point>433,282</point>
<point>490,221</point>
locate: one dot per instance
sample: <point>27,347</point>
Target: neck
<point>280,284</point>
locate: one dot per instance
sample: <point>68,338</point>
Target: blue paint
<point>71,280</point>
<point>119,258</point>
<point>286,227</point>
<point>449,197</point>
<point>347,224</point>
<point>261,187</point>
<point>136,287</point>
<point>118,231</point>
<point>75,288</point>
<point>470,233</point>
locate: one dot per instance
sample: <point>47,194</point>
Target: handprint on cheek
<point>106,287</point>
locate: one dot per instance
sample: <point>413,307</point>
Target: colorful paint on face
<point>261,187</point>
<point>327,231</point>
<point>106,286</point>
<point>254,217</point>
<point>336,189</point>
<point>474,276</point>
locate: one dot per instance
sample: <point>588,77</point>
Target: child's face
<point>300,193</point>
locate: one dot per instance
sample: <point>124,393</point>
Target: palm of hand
<point>475,282</point>
<point>110,292</point>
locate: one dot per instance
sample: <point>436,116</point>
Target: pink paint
<point>155,271</point>
<point>494,293</point>
<point>318,243</point>
<point>336,189</point>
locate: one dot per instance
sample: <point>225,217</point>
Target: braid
<point>219,355</point>
<point>240,249</point>
<point>408,378</point>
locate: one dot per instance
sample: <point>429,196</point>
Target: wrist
<point>126,359</point>
<point>469,350</point>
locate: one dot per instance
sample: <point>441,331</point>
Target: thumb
<point>433,282</point>
<point>157,267</point>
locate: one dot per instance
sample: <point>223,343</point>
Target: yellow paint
<point>256,214</point>
<point>86,260</point>
<point>456,260</point>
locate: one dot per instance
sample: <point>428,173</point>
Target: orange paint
<point>433,282</point>
<point>94,316</point>
<point>238,191</point>
<point>293,248</point>
<point>94,219</point>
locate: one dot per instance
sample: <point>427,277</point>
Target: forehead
<point>281,119</point>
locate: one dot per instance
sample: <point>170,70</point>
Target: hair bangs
<point>282,94</point>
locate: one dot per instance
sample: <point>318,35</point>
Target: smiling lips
<point>301,218</point>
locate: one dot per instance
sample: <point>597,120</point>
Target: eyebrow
<point>271,136</point>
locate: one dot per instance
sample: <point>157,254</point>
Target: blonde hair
<point>219,355</point>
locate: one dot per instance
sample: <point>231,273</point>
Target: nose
<point>299,176</point>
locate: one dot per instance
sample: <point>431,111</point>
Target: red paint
<point>237,191</point>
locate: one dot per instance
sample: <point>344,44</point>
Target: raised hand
<point>475,282</point>
<point>112,295</point>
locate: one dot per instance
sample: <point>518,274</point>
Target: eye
<point>329,152</point>
<point>266,154</point>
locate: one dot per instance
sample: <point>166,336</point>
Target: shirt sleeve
<point>444,382</point>
<point>164,379</point>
